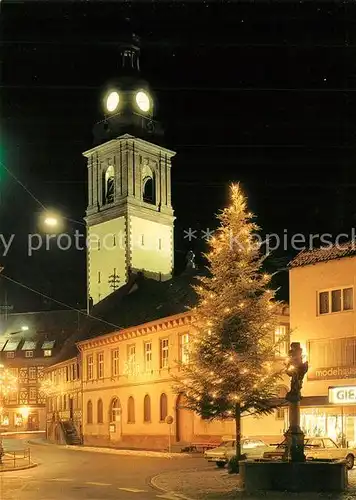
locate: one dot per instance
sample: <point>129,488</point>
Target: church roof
<point>139,301</point>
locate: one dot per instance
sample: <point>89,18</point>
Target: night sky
<point>262,93</point>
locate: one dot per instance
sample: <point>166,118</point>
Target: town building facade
<point>128,389</point>
<point>29,343</point>
<point>322,301</point>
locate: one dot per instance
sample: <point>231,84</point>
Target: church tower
<point>129,215</point>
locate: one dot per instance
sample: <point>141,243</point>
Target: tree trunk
<point>238,431</point>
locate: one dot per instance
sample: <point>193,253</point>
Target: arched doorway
<point>184,421</point>
<point>115,422</point>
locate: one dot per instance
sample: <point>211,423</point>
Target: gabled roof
<point>324,254</point>
<point>33,330</point>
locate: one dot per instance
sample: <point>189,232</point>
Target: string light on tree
<point>230,372</point>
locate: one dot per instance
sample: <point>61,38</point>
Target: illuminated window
<point>147,409</point>
<point>324,353</point>
<point>4,419</point>
<point>131,358</point>
<point>281,410</point>
<point>33,395</point>
<point>47,353</point>
<point>281,340</point>
<point>164,353</point>
<point>148,356</point>
<point>115,360</point>
<point>32,373</point>
<point>163,407</point>
<point>331,301</point>
<point>184,348</point>
<point>100,366</point>
<point>131,410</point>
<point>89,412</point>
<point>109,194</point>
<point>28,354</point>
<point>100,412</point>
<point>90,367</point>
<point>10,354</point>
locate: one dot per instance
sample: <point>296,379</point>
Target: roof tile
<point>323,254</point>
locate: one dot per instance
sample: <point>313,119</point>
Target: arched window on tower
<point>109,185</point>
<point>148,185</point>
<point>149,191</point>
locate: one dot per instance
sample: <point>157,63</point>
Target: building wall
<point>63,388</point>
<point>25,408</point>
<point>135,380</point>
<point>106,255</point>
<point>329,341</point>
<point>306,322</point>
<point>151,245</point>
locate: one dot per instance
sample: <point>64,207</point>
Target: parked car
<point>317,448</point>
<point>252,448</point>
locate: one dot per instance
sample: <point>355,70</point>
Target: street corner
<point>196,484</point>
<point>7,467</point>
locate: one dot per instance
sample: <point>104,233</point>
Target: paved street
<point>76,475</point>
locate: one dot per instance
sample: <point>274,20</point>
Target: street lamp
<point>51,221</point>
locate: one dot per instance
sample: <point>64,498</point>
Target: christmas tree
<point>232,369</point>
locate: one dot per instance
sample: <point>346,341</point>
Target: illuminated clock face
<point>143,101</point>
<point>112,101</point>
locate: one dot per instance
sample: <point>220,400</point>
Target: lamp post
<point>169,421</point>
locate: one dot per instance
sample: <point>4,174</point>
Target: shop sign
<point>332,373</point>
<point>342,395</point>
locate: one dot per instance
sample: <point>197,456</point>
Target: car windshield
<point>225,444</point>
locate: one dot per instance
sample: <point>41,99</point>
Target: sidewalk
<point>113,451</point>
<point>8,464</point>
<point>215,484</point>
<point>198,484</point>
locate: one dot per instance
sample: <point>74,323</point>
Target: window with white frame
<point>148,356</point>
<point>47,353</point>
<point>33,395</point>
<point>90,367</point>
<point>100,365</point>
<point>115,360</point>
<point>164,353</point>
<point>131,358</point>
<point>32,373</point>
<point>335,300</point>
<point>183,348</point>
<point>28,354</point>
<point>281,340</point>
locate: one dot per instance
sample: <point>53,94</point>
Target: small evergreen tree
<point>232,370</point>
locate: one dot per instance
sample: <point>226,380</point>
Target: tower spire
<point>130,50</point>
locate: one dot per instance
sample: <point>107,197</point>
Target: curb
<point>151,482</point>
<point>36,443</point>
<point>25,467</point>
<point>118,451</point>
<point>115,451</point>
